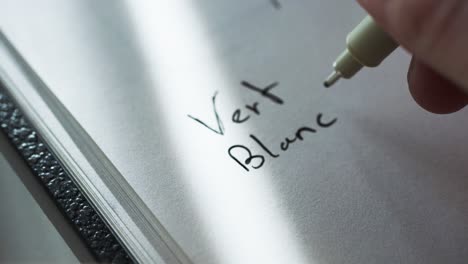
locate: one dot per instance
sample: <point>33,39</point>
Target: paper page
<point>276,169</point>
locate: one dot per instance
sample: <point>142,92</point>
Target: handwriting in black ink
<point>220,130</point>
<point>324,124</point>
<point>265,148</point>
<point>238,116</point>
<point>284,145</point>
<point>249,159</point>
<point>243,155</point>
<point>266,92</point>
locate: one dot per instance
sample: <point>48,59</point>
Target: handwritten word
<point>243,155</point>
<point>238,116</point>
<point>257,161</point>
<point>220,128</point>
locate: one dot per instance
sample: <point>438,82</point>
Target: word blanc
<point>243,115</point>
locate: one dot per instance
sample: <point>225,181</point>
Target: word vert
<point>243,155</point>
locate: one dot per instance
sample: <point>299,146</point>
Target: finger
<point>434,92</point>
<point>435,31</point>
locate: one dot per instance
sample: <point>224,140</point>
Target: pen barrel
<point>369,44</point>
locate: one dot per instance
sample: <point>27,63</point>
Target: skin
<point>436,33</point>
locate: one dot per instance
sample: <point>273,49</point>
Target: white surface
<point>386,184</point>
<point>27,234</point>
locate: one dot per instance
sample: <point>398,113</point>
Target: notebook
<point>201,131</point>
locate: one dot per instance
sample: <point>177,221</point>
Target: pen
<point>367,45</point>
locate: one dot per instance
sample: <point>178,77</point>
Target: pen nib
<point>332,79</point>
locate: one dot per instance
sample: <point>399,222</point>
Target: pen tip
<point>332,79</point>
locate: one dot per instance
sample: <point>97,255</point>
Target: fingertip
<point>433,92</point>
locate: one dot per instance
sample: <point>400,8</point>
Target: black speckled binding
<point>63,190</point>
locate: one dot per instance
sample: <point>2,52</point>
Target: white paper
<point>386,183</point>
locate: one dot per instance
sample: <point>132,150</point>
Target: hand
<point>436,33</point>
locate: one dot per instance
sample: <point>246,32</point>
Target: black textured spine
<point>44,165</point>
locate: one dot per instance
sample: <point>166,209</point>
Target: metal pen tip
<point>332,79</point>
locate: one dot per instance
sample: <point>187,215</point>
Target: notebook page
<point>215,115</point>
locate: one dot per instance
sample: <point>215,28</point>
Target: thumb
<point>435,31</point>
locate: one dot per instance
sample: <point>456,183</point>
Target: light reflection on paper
<point>239,211</point>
